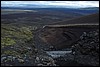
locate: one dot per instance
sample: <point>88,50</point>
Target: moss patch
<point>7,41</point>
<point>11,34</point>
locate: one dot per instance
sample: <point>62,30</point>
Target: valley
<point>48,36</point>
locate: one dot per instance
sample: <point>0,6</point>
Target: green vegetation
<point>7,41</point>
<point>11,34</point>
<point>15,39</point>
<point>9,52</point>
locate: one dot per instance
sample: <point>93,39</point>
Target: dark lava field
<point>49,37</point>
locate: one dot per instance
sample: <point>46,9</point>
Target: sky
<point>66,4</point>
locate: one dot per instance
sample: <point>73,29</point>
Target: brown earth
<point>90,19</point>
<point>64,36</point>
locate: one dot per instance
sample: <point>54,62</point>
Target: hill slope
<point>94,18</point>
<point>65,33</point>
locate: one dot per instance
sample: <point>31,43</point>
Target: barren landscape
<point>49,37</point>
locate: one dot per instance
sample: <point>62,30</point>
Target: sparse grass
<point>10,35</point>
<point>15,39</point>
<point>7,41</point>
<point>9,52</point>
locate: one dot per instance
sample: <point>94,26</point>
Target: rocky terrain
<point>63,36</point>
<point>84,51</point>
<point>32,39</point>
<point>18,49</point>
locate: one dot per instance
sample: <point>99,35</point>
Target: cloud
<point>74,4</point>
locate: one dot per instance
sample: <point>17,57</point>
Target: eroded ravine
<point>47,40</point>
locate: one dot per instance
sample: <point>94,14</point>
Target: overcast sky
<point>74,4</point>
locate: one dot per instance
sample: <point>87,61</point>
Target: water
<point>56,54</point>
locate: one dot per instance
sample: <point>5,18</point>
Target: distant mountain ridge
<point>64,10</point>
<point>90,8</point>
